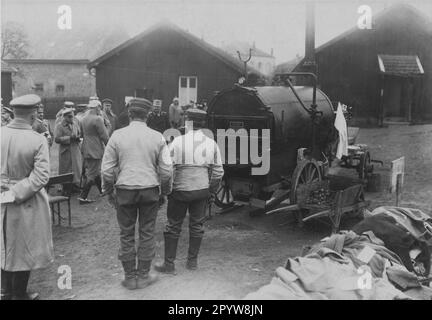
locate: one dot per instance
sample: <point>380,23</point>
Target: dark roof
<point>243,48</point>
<point>233,63</point>
<point>400,7</point>
<point>6,68</point>
<point>80,43</point>
<point>399,65</point>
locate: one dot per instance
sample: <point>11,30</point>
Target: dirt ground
<point>239,253</point>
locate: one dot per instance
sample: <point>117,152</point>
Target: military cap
<point>7,109</point>
<point>94,104</point>
<point>28,101</point>
<point>140,103</point>
<point>68,104</point>
<point>196,114</point>
<point>94,98</point>
<point>107,100</point>
<point>67,110</point>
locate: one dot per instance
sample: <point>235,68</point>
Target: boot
<point>145,278</point>
<point>84,194</point>
<point>129,281</point>
<point>98,183</point>
<point>6,285</point>
<point>194,246</point>
<point>19,286</point>
<point>168,265</point>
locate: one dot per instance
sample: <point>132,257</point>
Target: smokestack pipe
<point>310,33</point>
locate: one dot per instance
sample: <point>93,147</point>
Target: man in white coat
<point>25,225</point>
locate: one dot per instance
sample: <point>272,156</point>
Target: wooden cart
<point>347,197</point>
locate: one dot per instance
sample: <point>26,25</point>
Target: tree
<point>14,41</point>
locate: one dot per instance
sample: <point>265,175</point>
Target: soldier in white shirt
<point>198,171</point>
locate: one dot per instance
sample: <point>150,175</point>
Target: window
<point>183,82</point>
<point>60,89</point>
<point>38,87</point>
<point>192,82</point>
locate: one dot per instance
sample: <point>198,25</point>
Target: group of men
<point>133,166</point>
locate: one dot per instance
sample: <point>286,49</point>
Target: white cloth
<point>341,126</point>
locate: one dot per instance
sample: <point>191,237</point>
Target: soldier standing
<point>107,108</point>
<point>42,126</point>
<point>137,161</point>
<point>158,119</point>
<point>25,219</point>
<point>95,137</point>
<point>68,136</point>
<point>197,175</point>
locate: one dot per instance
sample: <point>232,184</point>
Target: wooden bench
<point>56,200</point>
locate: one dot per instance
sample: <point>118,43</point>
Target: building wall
<point>348,69</point>
<point>74,77</point>
<point>156,64</point>
<point>6,87</point>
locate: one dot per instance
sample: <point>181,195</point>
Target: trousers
<point>140,205</point>
<point>179,203</point>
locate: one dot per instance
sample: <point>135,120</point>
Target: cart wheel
<point>224,198</point>
<point>305,172</point>
<point>365,166</point>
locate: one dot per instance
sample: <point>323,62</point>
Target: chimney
<point>310,34</point>
<point>271,52</point>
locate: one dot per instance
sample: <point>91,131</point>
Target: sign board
<point>397,168</point>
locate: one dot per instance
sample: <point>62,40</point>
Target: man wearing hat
<point>80,111</point>
<point>95,137</point>
<point>158,119</point>
<point>136,168</point>
<point>59,115</point>
<point>25,218</point>
<point>198,171</point>
<point>107,108</point>
<point>175,113</point>
<point>42,126</point>
<point>6,115</point>
<point>68,136</point>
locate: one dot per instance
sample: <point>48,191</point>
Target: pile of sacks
<point>386,256</point>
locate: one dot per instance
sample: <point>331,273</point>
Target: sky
<point>277,24</point>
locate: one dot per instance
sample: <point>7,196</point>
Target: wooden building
<point>165,62</point>
<point>384,73</point>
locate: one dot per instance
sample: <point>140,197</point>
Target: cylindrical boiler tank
<point>276,108</point>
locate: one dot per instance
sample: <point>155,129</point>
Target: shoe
<point>6,285</point>
<point>163,267</point>
<point>27,296</point>
<point>85,201</point>
<point>192,264</point>
<point>194,247</point>
<point>130,281</point>
<point>168,265</point>
<point>144,277</point>
<point>19,286</point>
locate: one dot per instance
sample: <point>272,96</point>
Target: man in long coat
<point>26,237</point>
<point>95,137</point>
<point>59,115</point>
<point>68,135</point>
